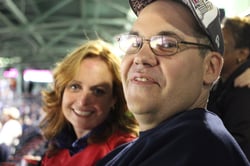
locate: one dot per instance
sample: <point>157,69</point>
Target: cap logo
<point>205,11</point>
<point>202,6</point>
<point>217,41</point>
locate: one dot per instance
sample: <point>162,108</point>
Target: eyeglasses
<point>160,45</point>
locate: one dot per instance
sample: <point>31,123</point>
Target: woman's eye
<point>74,87</point>
<point>98,91</point>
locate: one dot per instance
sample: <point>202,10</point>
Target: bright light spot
<point>37,75</point>
<point>232,7</point>
<point>11,73</point>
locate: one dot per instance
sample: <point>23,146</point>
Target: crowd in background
<point>28,105</point>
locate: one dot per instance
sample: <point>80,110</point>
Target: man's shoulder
<point>189,137</point>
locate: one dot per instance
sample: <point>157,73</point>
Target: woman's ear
<point>243,54</point>
<point>213,63</point>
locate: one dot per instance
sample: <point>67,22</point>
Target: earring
<point>238,61</point>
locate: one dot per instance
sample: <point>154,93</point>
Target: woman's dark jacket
<point>232,104</point>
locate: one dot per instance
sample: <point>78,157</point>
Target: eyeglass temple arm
<point>196,44</point>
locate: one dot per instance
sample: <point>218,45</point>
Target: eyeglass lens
<point>160,45</point>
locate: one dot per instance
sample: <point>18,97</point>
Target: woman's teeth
<point>82,113</point>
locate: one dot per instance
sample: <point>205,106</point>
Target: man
<point>173,57</point>
<point>229,102</point>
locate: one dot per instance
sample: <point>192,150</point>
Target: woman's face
<point>230,55</point>
<point>88,98</point>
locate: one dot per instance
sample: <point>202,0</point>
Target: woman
<point>86,113</point>
<point>229,102</point>
<point>243,80</point>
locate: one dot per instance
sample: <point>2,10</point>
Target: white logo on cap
<point>217,41</point>
<point>205,11</point>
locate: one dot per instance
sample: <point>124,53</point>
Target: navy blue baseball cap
<point>205,13</point>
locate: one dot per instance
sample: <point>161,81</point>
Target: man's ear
<point>213,63</point>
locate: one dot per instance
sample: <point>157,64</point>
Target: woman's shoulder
<point>118,138</point>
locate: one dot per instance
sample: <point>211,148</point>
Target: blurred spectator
<point>31,144</point>
<point>243,80</point>
<point>10,131</point>
<point>4,153</point>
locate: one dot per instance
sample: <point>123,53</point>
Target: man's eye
<point>163,46</point>
<point>168,44</point>
<point>135,44</point>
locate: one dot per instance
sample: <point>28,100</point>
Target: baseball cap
<point>205,13</point>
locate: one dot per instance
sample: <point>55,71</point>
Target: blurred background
<point>35,34</point>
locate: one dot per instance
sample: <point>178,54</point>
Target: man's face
<point>157,87</point>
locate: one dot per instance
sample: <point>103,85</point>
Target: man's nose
<point>145,56</point>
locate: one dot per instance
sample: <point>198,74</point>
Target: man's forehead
<point>166,15</point>
<point>204,12</point>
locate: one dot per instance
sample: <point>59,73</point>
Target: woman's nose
<point>84,98</point>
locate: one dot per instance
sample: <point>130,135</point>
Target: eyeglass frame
<point>177,42</point>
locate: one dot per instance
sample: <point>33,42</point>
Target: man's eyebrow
<point>133,33</point>
<point>165,33</point>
